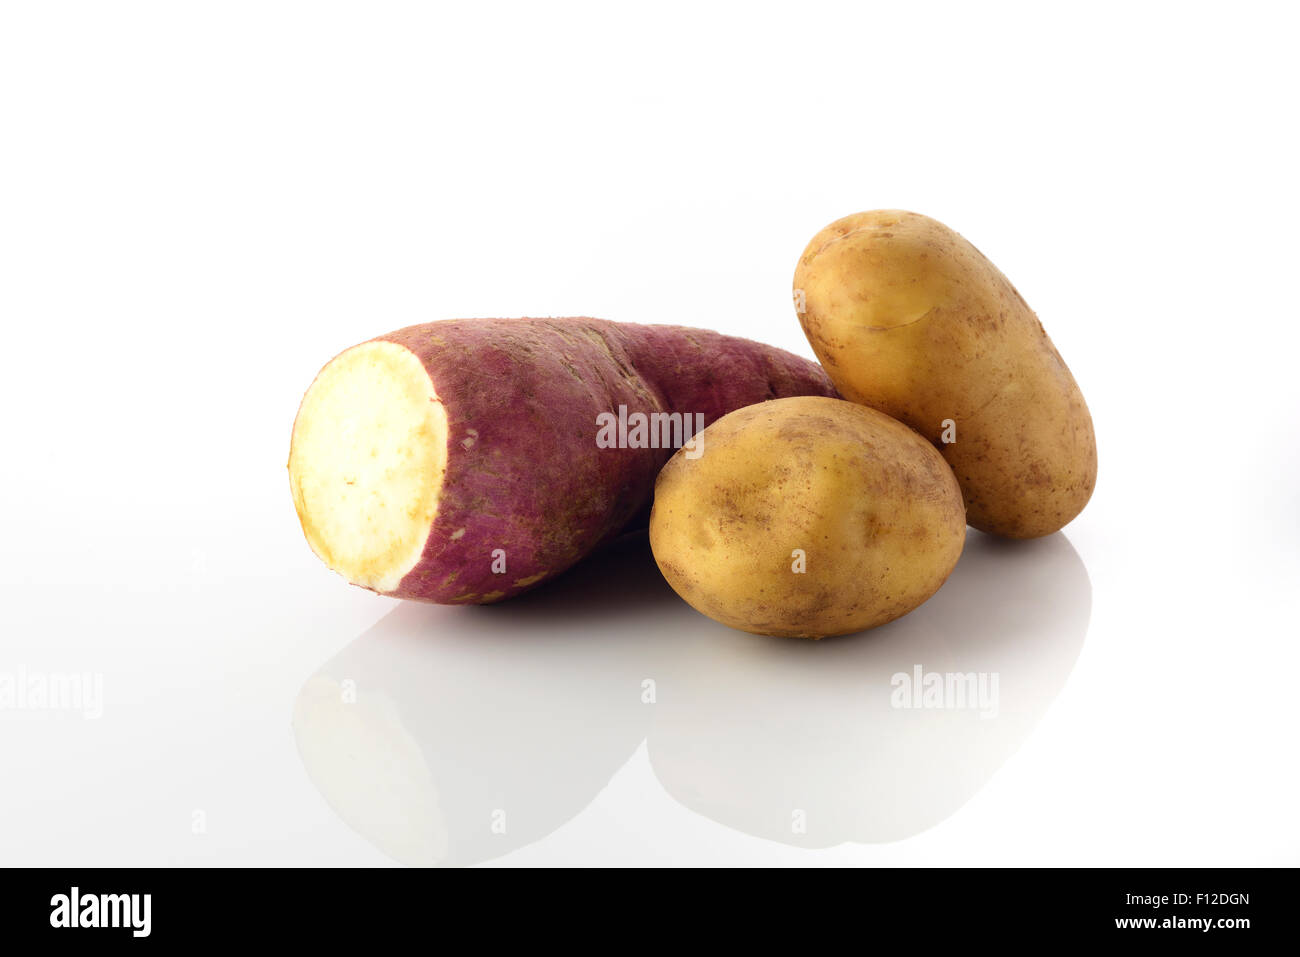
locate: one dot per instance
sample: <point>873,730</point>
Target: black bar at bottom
<point>335,907</point>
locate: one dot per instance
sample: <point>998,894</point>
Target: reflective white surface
<point>456,735</point>
<point>200,210</point>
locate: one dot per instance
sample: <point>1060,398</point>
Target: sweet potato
<point>457,461</point>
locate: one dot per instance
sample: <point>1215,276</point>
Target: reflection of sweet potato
<point>451,736</point>
<point>457,461</point>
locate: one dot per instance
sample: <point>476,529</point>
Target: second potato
<point>807,517</point>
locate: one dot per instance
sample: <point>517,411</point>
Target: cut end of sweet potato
<point>367,462</point>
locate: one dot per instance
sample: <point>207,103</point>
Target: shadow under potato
<point>454,735</point>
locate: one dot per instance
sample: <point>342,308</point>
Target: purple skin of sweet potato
<point>524,472</point>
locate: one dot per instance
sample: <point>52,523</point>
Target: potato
<point>807,517</point>
<point>462,461</point>
<point>909,318</point>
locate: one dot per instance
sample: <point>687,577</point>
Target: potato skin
<point>909,318</point>
<point>873,507</point>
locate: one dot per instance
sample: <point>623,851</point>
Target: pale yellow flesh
<point>367,462</point>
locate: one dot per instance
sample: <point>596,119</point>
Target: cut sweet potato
<point>458,461</point>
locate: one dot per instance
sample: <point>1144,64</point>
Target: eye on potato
<point>909,318</point>
<point>807,517</point>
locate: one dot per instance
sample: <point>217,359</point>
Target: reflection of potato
<point>807,517</point>
<point>911,319</point>
<point>805,744</point>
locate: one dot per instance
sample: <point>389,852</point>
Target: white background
<point>201,203</point>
